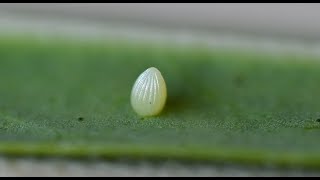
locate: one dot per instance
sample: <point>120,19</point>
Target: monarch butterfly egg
<point>149,93</point>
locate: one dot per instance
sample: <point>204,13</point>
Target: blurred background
<point>266,27</point>
<point>275,27</point>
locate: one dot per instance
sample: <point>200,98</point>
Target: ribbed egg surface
<point>149,93</point>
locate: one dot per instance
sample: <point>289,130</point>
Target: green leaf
<point>72,98</point>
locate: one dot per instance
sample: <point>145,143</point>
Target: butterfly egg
<point>149,93</point>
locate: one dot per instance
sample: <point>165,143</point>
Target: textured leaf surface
<point>72,98</point>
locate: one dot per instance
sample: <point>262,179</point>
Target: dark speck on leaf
<point>80,118</point>
<point>239,80</point>
<point>318,120</point>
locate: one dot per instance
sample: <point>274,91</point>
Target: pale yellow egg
<point>149,93</point>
